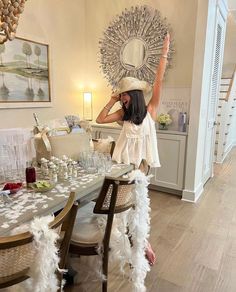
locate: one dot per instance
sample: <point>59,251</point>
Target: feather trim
<point>138,222</point>
<point>42,272</point>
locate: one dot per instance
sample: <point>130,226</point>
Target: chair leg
<point>105,271</point>
<point>104,286</point>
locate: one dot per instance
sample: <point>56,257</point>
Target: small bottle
<point>70,167</point>
<point>182,125</point>
<point>30,175</point>
<point>184,122</point>
<point>65,171</point>
<point>36,119</point>
<point>65,158</point>
<point>44,167</point>
<point>60,169</point>
<point>52,159</point>
<point>54,173</point>
<point>75,171</point>
<point>51,166</point>
<point>181,122</point>
<point>37,129</point>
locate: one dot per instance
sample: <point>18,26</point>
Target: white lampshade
<point>87,106</point>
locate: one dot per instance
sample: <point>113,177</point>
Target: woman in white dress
<point>137,140</point>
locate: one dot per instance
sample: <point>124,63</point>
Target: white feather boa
<point>138,222</point>
<point>42,272</point>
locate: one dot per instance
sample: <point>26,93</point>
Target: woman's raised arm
<point>104,116</point>
<point>156,94</point>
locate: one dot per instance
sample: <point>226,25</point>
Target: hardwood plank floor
<point>195,243</point>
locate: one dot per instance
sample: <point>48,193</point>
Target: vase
<point>163,127</point>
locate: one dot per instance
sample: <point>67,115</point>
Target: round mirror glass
<point>133,54</point>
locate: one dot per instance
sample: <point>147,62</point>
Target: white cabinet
<point>172,157</point>
<point>171,145</point>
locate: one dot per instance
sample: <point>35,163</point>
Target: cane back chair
<point>17,252</point>
<point>101,145</point>
<point>115,197</point>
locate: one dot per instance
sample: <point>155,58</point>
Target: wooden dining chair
<point>101,145</point>
<point>115,197</point>
<point>17,252</point>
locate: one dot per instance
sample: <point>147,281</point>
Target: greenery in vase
<point>164,119</point>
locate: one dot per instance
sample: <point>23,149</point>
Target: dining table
<point>23,206</point>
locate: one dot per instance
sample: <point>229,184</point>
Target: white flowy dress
<point>137,142</point>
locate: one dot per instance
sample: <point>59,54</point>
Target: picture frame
<point>24,74</point>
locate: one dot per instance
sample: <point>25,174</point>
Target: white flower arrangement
<point>164,119</point>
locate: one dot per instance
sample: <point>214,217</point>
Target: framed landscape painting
<point>24,74</point>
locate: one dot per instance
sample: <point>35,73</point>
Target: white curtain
<point>16,149</point>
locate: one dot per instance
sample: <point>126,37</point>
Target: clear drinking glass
<point>2,175</point>
<point>108,162</point>
<point>101,164</point>
<point>8,172</point>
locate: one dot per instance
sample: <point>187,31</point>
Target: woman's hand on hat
<point>166,44</point>
<point>115,97</point>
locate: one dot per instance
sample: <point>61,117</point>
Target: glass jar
<point>30,175</point>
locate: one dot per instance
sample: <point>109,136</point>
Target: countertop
<point>116,126</point>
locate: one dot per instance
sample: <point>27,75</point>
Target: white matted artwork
<point>24,74</point>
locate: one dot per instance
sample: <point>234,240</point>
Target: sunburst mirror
<point>132,45</point>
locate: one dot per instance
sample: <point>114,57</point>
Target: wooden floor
<point>195,243</point>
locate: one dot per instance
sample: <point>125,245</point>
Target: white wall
<point>202,70</point>
<point>62,27</point>
<point>230,45</point>
<point>73,31</point>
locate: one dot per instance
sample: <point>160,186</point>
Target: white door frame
<point>208,161</point>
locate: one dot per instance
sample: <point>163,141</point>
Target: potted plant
<point>164,120</point>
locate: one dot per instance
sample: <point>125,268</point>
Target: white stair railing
<point>226,119</point>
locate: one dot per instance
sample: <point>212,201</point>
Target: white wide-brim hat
<point>131,83</point>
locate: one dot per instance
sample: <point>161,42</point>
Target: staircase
<point>226,118</point>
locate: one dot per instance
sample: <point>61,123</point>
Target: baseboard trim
<point>165,190</point>
<point>192,196</point>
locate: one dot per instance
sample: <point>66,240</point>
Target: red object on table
<point>12,187</point>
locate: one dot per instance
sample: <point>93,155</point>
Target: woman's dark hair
<point>137,110</point>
